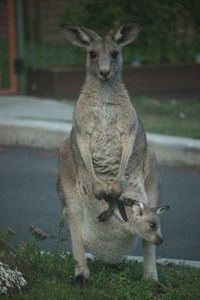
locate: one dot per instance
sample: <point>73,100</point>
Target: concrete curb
<point>175,150</point>
<point>169,261</point>
<point>162,261</point>
<point>48,135</point>
<point>139,259</point>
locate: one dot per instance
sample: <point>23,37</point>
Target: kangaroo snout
<point>158,241</point>
<point>104,74</point>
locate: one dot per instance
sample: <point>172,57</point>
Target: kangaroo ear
<point>162,209</point>
<point>138,208</point>
<point>125,34</point>
<point>79,36</point>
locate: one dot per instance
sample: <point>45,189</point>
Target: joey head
<point>145,221</point>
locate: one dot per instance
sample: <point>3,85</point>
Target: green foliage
<point>6,235</point>
<point>170,30</point>
<point>59,237</point>
<point>100,15</point>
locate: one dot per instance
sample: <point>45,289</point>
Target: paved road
<point>28,195</point>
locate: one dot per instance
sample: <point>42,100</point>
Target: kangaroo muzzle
<point>158,241</point>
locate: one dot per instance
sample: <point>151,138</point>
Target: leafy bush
<point>170,30</point>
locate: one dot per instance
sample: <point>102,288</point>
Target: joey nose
<point>104,73</point>
<point>159,240</point>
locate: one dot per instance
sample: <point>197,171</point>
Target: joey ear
<point>138,208</point>
<point>162,209</point>
<point>125,34</point>
<point>79,36</point>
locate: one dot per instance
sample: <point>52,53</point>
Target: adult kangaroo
<point>107,158</point>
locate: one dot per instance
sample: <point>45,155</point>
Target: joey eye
<point>153,226</point>
<point>93,54</point>
<point>114,54</point>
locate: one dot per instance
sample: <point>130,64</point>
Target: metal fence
<point>44,43</point>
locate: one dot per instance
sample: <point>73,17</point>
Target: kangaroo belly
<point>109,241</point>
<point>106,243</point>
<point>106,151</point>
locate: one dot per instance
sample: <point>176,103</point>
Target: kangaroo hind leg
<point>66,185</point>
<point>152,188</point>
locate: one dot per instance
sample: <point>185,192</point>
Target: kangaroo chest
<point>106,145</point>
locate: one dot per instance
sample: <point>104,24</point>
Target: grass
<point>49,274</point>
<point>51,280</point>
<point>177,117</point>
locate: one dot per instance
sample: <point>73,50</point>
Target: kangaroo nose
<point>159,240</point>
<point>104,73</point>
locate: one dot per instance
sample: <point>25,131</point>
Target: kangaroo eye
<point>114,54</point>
<point>153,226</point>
<point>93,54</point>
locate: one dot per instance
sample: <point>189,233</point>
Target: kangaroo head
<point>104,59</point>
<point>145,221</point>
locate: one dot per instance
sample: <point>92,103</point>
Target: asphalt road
<point>28,196</point>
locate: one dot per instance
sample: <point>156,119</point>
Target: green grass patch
<point>48,275</point>
<point>123,281</point>
<point>178,117</point>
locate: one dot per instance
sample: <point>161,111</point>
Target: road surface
<point>28,196</point>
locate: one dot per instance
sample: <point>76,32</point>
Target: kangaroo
<point>107,158</point>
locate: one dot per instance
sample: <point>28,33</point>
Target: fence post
<point>19,62</point>
<point>11,47</point>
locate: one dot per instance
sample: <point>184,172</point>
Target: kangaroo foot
<point>79,280</point>
<point>81,276</point>
<point>158,287</point>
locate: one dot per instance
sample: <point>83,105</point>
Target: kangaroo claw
<point>122,210</point>
<point>79,280</point>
